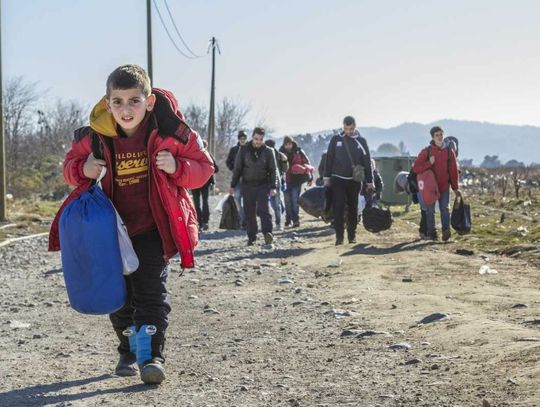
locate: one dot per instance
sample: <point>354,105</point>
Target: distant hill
<point>476,139</point>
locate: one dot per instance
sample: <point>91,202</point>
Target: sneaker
<point>152,371</point>
<point>339,241</point>
<point>432,237</point>
<point>423,236</point>
<point>288,223</point>
<point>352,240</point>
<point>268,238</point>
<point>205,227</point>
<point>446,235</point>
<point>296,225</point>
<point>127,365</point>
<point>250,242</point>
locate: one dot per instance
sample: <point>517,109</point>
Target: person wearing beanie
<point>276,201</point>
<point>231,157</point>
<point>300,171</point>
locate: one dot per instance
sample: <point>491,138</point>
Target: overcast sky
<point>303,64</point>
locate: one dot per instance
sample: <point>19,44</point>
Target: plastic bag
<point>461,216</point>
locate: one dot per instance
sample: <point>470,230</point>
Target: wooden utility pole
<point>149,39</point>
<point>3,214</point>
<point>212,114</point>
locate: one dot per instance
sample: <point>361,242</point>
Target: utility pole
<point>2,143</point>
<point>148,39</point>
<point>212,114</point>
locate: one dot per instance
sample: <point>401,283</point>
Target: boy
<point>442,161</point>
<point>152,157</point>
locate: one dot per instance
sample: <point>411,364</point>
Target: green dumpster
<point>388,168</point>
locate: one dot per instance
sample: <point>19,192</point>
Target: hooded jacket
<point>338,163</point>
<point>300,168</point>
<point>170,203</point>
<point>256,166</point>
<point>445,168</point>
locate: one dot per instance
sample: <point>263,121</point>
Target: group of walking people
<point>267,182</point>
<point>264,177</point>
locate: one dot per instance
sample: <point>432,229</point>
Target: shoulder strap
<point>347,148</point>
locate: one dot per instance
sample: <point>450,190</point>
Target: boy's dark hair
<point>435,130</point>
<point>349,121</point>
<point>259,130</point>
<point>270,142</point>
<point>129,77</point>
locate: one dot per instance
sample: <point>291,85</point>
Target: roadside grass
<point>504,226</point>
<point>27,217</point>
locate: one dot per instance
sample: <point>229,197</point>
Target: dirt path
<point>278,326</point>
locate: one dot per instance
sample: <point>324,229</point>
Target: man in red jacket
<point>152,157</point>
<point>442,161</point>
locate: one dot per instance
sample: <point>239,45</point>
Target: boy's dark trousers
<point>203,211</point>
<point>147,301</point>
<point>345,191</point>
<point>256,204</point>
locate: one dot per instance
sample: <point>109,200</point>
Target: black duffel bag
<point>230,218</point>
<point>376,220</point>
<point>461,216</point>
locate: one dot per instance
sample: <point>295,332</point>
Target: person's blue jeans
<point>292,194</point>
<point>444,203</point>
<point>275,202</point>
<point>240,203</point>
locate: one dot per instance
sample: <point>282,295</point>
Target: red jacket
<point>299,166</point>
<point>446,171</point>
<point>170,203</point>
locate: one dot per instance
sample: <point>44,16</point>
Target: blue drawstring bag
<point>91,259</point>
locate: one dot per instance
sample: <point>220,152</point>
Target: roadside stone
<point>400,345</point>
<point>339,313</point>
<point>369,332</point>
<point>436,316</point>
<point>285,281</point>
<point>414,361</point>
<point>519,306</point>
<point>349,332</point>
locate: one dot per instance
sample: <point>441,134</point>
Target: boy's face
<point>128,107</point>
<point>438,138</point>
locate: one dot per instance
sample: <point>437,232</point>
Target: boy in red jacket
<point>152,157</point>
<point>442,161</point>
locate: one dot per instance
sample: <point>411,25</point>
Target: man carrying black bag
<point>348,164</point>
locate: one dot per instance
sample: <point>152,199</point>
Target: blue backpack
<point>91,258</point>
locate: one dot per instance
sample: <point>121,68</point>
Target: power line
<point>178,32</point>
<point>169,34</point>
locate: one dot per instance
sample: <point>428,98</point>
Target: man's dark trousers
<point>256,203</point>
<point>345,192</point>
<point>202,208</point>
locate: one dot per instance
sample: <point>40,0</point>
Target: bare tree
<point>231,117</point>
<point>20,99</point>
<point>197,118</point>
<point>56,126</point>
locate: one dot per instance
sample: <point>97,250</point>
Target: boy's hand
<point>166,162</point>
<point>92,167</point>
<point>273,192</point>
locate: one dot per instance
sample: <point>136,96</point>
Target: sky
<point>302,65</point>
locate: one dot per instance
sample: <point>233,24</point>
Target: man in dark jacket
<point>200,197</point>
<point>255,164</point>
<point>233,152</point>
<point>345,150</point>
<point>299,171</point>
